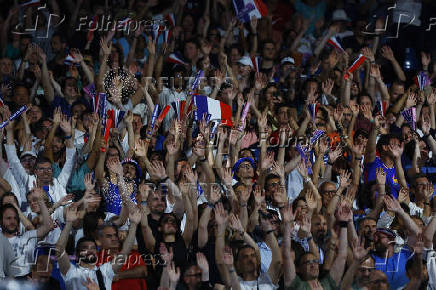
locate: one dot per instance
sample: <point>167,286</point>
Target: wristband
<point>309,238</point>
<point>68,137</point>
<point>343,224</point>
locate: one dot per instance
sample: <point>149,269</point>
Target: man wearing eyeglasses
<point>42,175</point>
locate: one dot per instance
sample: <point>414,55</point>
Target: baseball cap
<point>31,153</point>
<point>386,231</point>
<point>288,59</point>
<point>245,60</point>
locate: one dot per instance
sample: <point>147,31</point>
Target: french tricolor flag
<point>335,43</point>
<point>313,109</point>
<point>171,19</point>
<point>2,103</point>
<point>356,64</point>
<point>155,31</point>
<point>166,35</point>
<point>93,27</point>
<point>30,3</point>
<point>217,110</point>
<point>176,59</point>
<point>179,107</point>
<point>256,62</point>
<point>69,60</point>
<point>382,107</point>
<point>245,9</point>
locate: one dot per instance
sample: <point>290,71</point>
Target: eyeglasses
<point>45,169</point>
<point>310,262</point>
<point>274,184</point>
<point>329,192</point>
<point>246,166</point>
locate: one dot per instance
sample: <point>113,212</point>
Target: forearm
<point>398,70</point>
<point>63,239</point>
<point>409,223</point>
<point>135,273</point>
<point>400,172</point>
<point>348,278</point>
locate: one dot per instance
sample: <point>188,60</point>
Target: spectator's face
<point>272,95</point>
<point>382,242</point>
<point>406,134</point>
<point>56,44</point>
<point>396,91</point>
<point>245,170</point>
<point>269,51</point>
<point>34,114</point>
<point>157,202</point>
<point>43,131</point>
<point>244,70</point>
<point>21,96</point>
<point>365,101</point>
<point>188,24</point>
<point>10,221</point>
<point>44,172</point>
<point>368,227</point>
<point>421,184</point>
<point>319,228</point>
<point>169,225</point>
<point>112,154</point>
<point>354,90</point>
<point>129,171</point>
<point>192,277</point>
<point>327,193</point>
<point>181,167</point>
<point>361,140</point>
<point>191,51</point>
<point>272,186</point>
<point>178,79</point>
<point>247,260</point>
<point>70,89</point>
<point>32,199</point>
<point>8,200</point>
<point>77,110</point>
<point>86,120</point>
<point>283,116</point>
<point>87,252</point>
<point>109,239</point>
<point>28,162</point>
<point>57,144</point>
<point>308,267</point>
<point>364,272</point>
<point>302,206</point>
<point>6,66</point>
<point>346,117</point>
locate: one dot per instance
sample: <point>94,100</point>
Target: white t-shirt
<point>24,246</point>
<point>77,274</point>
<point>263,282</point>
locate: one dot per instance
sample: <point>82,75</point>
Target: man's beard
<point>8,231</point>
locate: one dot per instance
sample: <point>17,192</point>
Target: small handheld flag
<point>256,62</point>
<point>176,59</point>
<point>410,117</point>
<point>164,113</point>
<point>313,109</point>
<point>245,9</point>
<point>356,64</point>
<point>244,115</point>
<point>13,116</point>
<point>334,42</point>
<point>106,133</point>
<point>316,135</point>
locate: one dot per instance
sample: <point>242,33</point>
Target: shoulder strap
<point>100,279</point>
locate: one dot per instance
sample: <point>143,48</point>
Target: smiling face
<point>245,170</point>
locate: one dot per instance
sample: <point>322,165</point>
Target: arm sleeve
<point>68,167</point>
<point>20,194</point>
<point>17,169</point>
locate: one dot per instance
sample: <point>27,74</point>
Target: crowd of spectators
<point>122,168</point>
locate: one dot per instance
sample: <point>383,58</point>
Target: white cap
<point>31,153</point>
<point>288,59</point>
<point>340,15</point>
<point>245,60</point>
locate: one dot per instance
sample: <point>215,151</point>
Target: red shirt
<point>134,260</point>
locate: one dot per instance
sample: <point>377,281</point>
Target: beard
<point>8,231</point>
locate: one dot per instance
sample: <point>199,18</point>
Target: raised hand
<point>327,86</point>
<point>165,254</point>
<point>115,166</point>
<point>214,194</point>
<point>105,48</point>
<point>305,226</point>
<point>344,179</point>
<point>268,161</point>
<point>135,215</point>
<point>311,200</point>
<point>235,223</point>
<point>387,53</point>
<point>392,204</point>
<point>288,215</point>
<point>72,214</point>
<point>157,169</point>
<point>228,256</point>
<point>227,176</point>
<point>403,196</point>
<point>259,197</point>
<point>173,273</point>
<point>220,214</point>
<point>334,154</point>
<point>278,169</point>
<point>396,150</point>
<point>344,212</point>
<point>202,262</point>
<point>359,251</point>
<point>66,125</point>
<point>380,176</point>
<point>77,56</point>
<point>89,182</point>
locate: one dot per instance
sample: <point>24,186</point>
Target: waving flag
<point>303,154</point>
<point>197,80</point>
<point>170,19</point>
<point>179,107</point>
<point>313,109</point>
<point>218,110</point>
<point>176,59</point>
<point>245,9</point>
<point>167,35</point>
<point>69,60</point>
<point>118,117</point>
<point>334,42</point>
<point>154,118</point>
<point>382,107</point>
<point>93,27</point>
<point>256,62</point>
<point>356,64</point>
<point>90,90</point>
<point>410,117</point>
<point>422,80</point>
<point>155,31</point>
<point>2,103</point>
<point>164,113</point>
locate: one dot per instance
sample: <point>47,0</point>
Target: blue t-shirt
<point>394,267</point>
<point>391,178</point>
